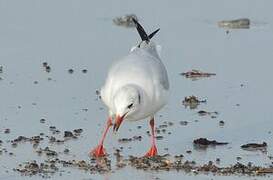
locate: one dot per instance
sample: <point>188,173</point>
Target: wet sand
<point>42,104</point>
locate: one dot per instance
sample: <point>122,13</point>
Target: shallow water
<point>81,35</point>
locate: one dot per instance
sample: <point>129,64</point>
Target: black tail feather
<point>153,33</point>
<point>141,31</point>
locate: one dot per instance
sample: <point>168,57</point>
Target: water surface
<point>81,35</point>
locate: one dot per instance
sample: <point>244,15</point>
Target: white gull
<point>136,88</point>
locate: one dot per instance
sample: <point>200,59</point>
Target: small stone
<point>45,64</point>
<point>97,92</point>
<point>66,151</point>
<point>56,132</point>
<point>58,141</point>
<point>179,156</point>
<point>42,120</point>
<point>159,137</point>
<point>52,128</point>
<point>202,113</point>
<point>183,123</point>
<point>68,134</point>
<point>221,123</point>
<point>52,139</point>
<point>7,131</point>
<point>125,140</point>
<point>162,126</point>
<point>84,71</point>
<point>170,123</point>
<point>78,131</point>
<point>70,71</point>
<point>48,69</point>
<point>137,138</point>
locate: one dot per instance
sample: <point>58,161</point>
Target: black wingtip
<point>141,31</point>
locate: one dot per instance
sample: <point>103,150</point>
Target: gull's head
<point>126,104</point>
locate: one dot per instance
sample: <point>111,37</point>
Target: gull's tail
<point>142,33</point>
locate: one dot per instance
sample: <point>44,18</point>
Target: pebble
<point>48,69</point>
<point>66,151</point>
<point>68,134</point>
<point>78,131</point>
<point>45,64</point>
<point>70,71</point>
<point>159,137</point>
<point>183,123</point>
<point>7,131</point>
<point>84,71</point>
<point>221,123</point>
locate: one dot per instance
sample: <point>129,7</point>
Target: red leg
<point>99,151</point>
<point>153,150</point>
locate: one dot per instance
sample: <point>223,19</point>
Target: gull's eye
<point>129,106</point>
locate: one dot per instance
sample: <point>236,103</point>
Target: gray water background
<point>81,35</point>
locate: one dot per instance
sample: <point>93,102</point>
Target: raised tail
<point>143,35</point>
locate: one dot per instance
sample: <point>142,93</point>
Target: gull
<point>136,88</point>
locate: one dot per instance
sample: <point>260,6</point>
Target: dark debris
<point>125,21</point>
<point>255,146</point>
<point>192,102</point>
<point>195,74</point>
<point>204,142</point>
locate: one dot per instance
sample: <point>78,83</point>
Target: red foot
<point>99,151</point>
<point>152,152</point>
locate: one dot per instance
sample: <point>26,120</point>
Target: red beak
<point>118,121</point>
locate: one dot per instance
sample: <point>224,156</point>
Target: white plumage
<point>136,87</point>
<point>143,69</point>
